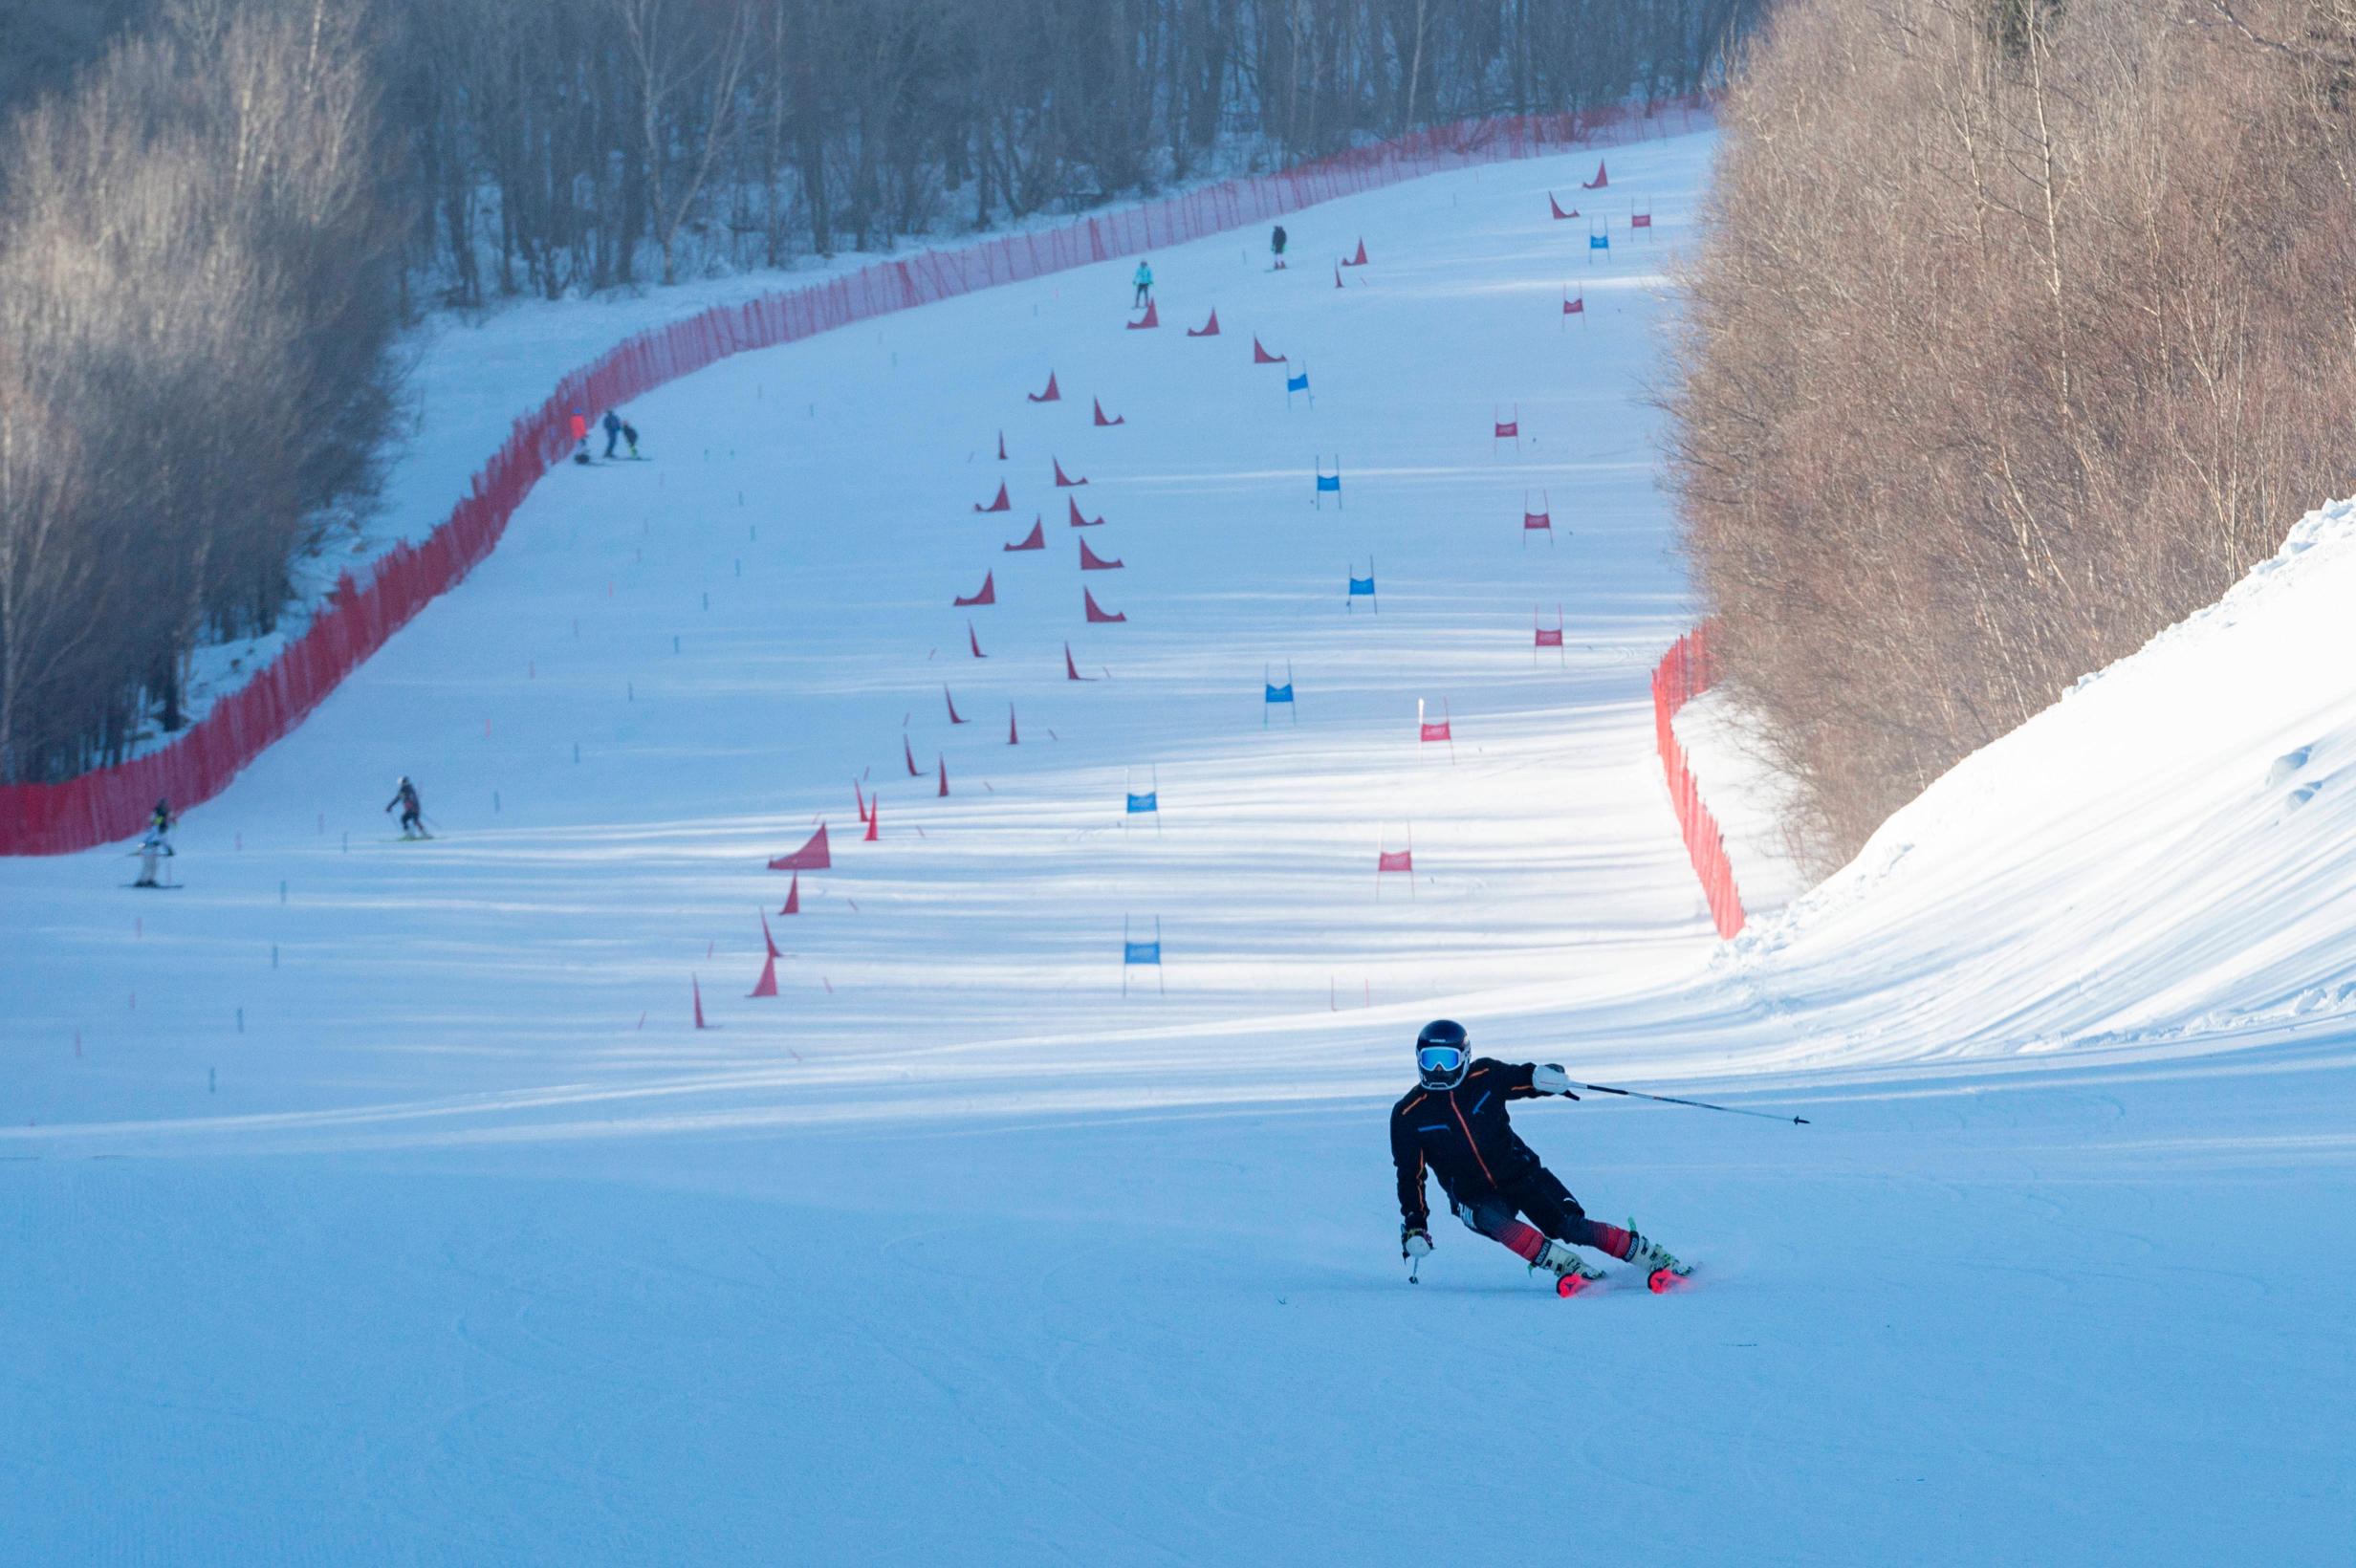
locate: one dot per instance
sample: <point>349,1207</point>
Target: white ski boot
<point>1571,1272</point>
<point>1663,1273</point>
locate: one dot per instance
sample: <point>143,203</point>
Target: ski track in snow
<point>952,1253</point>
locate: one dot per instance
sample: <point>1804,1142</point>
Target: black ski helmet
<point>1443,1051</point>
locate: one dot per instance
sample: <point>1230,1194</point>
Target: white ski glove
<point>1549,1078</point>
<point>1415,1244</point>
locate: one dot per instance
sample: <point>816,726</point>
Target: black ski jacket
<point>1462,1136</point>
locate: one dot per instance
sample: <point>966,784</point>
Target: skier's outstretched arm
<point>1529,1080</point>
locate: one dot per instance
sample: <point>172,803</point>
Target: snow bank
<point>2166,851</point>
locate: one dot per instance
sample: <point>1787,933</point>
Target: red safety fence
<point>113,803</point>
<point>1685,672</point>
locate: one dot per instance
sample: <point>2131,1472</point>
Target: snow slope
<point>2167,852</point>
<point>371,1201</point>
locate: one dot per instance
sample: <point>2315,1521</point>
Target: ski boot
<point>1663,1273</point>
<point>1571,1272</point>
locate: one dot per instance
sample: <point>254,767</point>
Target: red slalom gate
<point>1685,672</point>
<point>360,615</point>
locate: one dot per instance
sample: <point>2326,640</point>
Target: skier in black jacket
<point>1455,1127</point>
<point>412,815</point>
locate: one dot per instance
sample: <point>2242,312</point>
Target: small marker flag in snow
<point>1147,804</point>
<point>1134,953</point>
<point>1273,694</point>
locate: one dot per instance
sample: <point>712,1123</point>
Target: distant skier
<point>1276,244</point>
<point>1454,1124</point>
<point>612,432</point>
<point>629,435</point>
<point>1144,285</point>
<point>580,436</point>
<point>156,846</point>
<point>412,815</point>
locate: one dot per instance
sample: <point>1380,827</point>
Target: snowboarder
<point>580,436</point>
<point>156,846</point>
<point>1276,244</point>
<point>629,436</point>
<point>412,815</point>
<point>1144,285</point>
<point>612,432</point>
<point>1454,1124</point>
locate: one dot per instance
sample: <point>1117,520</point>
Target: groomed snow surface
<point>353,1214</point>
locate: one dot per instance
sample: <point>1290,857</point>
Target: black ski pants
<point>1548,1204</point>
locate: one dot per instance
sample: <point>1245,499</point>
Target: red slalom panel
<point>1096,612</point>
<point>1000,504</point>
<point>989,594</point>
<point>1209,329</point>
<point>952,705</point>
<point>1036,539</point>
<point>1102,422</point>
<point>1261,356</point>
<point>1091,562</point>
<point>1599,181</point>
<point>1558,206</point>
<point>1077,521</point>
<point>1053,394</point>
<point>1064,481</point>
<point>1150,319</point>
<point>793,896</point>
<point>810,857</point>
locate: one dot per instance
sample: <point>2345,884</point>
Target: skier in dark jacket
<point>412,815</point>
<point>1454,1126</point>
<point>613,431</point>
<point>1276,244</point>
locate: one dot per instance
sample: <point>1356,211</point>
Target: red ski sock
<point>1522,1239</point>
<point>1611,1239</point>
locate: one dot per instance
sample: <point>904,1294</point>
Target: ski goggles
<point>1439,1059</point>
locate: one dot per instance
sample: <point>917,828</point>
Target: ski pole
<point>1697,1104</point>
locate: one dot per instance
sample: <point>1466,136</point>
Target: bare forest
<point>2022,329</point>
<point>216,214</point>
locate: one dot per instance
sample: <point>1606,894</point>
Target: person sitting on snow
<point>1453,1124</point>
